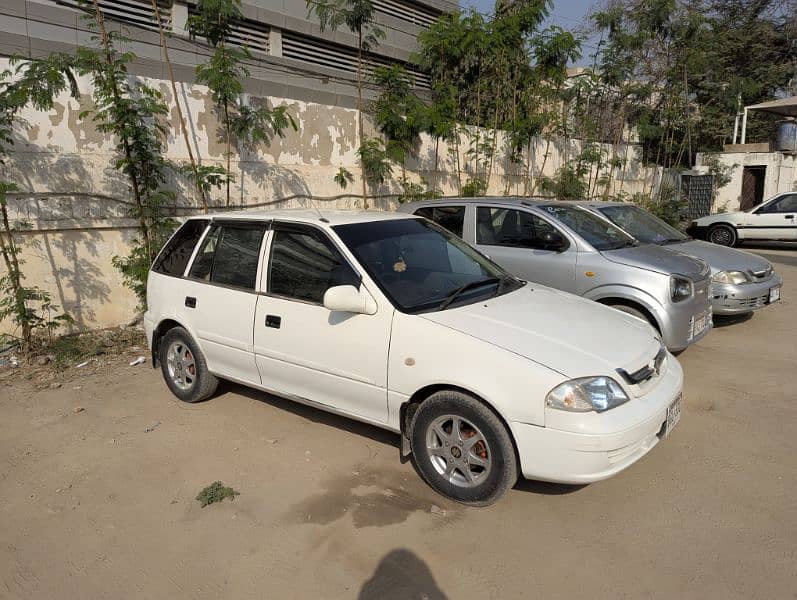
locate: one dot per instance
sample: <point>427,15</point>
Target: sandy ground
<point>92,505</point>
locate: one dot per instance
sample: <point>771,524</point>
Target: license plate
<point>699,324</point>
<point>774,294</point>
<point>673,416</point>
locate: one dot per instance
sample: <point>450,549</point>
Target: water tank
<point>786,136</point>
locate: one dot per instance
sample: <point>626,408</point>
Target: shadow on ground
<point>401,575</point>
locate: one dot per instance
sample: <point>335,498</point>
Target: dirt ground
<point>100,502</point>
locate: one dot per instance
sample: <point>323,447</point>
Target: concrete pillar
<point>275,42</point>
<point>180,18</point>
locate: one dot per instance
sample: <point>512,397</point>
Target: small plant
<point>412,191</point>
<point>474,187</point>
<point>216,492</point>
<point>343,178</point>
<point>375,162</point>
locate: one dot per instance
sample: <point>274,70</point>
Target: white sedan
<point>773,220</point>
<point>394,321</point>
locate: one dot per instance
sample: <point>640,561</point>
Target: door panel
<point>305,350</point>
<point>220,298</point>
<point>775,220</point>
<point>512,239</point>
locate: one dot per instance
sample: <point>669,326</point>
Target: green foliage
<point>34,83</point>
<point>210,176</point>
<point>669,206</point>
<point>216,492</point>
<point>567,183</point>
<point>134,267</point>
<point>718,169</point>
<point>259,125</point>
<point>375,161</point>
<point>214,19</point>
<point>357,15</point>
<point>412,191</point>
<point>474,187</point>
<point>343,178</point>
<point>399,114</point>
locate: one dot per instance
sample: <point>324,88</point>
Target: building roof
<point>786,107</point>
<point>303,215</point>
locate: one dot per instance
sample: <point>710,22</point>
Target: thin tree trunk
<point>436,163</point>
<point>360,129</point>
<point>9,252</point>
<point>125,142</point>
<point>229,147</point>
<point>183,128</point>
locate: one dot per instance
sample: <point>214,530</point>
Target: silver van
<point>741,282</point>
<point>565,246</point>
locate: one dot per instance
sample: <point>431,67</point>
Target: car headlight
<point>734,277</point>
<point>680,288</point>
<point>586,394</point>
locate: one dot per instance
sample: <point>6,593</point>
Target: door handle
<point>273,321</point>
<point>789,217</point>
<point>190,302</point>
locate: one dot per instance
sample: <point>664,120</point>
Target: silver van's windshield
<point>645,227</point>
<point>422,267</point>
<point>601,234</point>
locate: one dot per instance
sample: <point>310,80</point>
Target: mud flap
<point>406,415</point>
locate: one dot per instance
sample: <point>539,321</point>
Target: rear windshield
<point>598,232</point>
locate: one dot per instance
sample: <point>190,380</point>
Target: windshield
<point>422,267</point>
<point>645,227</point>
<point>598,232</point>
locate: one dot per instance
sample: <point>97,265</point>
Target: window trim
<point>532,212</point>
<point>761,210</point>
<point>233,223</point>
<point>301,228</point>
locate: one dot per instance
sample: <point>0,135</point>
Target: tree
<point>132,112</point>
<point>32,83</point>
<point>359,17</point>
<point>223,74</point>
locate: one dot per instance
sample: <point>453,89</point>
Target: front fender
<point>633,295</point>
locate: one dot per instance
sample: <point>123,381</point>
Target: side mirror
<point>347,298</point>
<point>553,240</point>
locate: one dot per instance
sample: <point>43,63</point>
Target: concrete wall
<point>76,205</point>
<point>781,175</point>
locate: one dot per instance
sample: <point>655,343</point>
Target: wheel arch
<point>158,333</point>
<point>408,408</point>
<point>632,303</point>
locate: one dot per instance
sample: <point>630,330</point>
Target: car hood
<point>661,260</point>
<point>731,217</point>
<point>566,333</point>
<point>722,258</point>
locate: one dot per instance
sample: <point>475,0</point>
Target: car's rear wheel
<point>184,367</point>
<point>723,235</point>
<point>462,449</point>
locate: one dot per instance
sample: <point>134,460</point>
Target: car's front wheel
<point>723,235</point>
<point>462,449</point>
<point>184,368</point>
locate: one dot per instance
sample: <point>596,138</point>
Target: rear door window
<point>448,217</point>
<point>174,257</point>
<point>509,227</point>
<point>230,255</point>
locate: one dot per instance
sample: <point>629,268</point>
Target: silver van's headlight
<point>587,393</point>
<point>734,277</point>
<point>680,288</point>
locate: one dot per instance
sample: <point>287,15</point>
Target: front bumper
<point>679,320</point>
<point>729,299</point>
<point>697,231</point>
<point>596,446</point>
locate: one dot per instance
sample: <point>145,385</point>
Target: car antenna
<point>321,217</point>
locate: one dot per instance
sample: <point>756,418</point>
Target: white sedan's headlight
<point>587,393</point>
<point>734,277</point>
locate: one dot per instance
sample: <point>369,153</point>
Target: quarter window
<point>229,256</point>
<point>174,257</point>
<point>304,264</point>
<point>509,227</point>
<point>448,217</point>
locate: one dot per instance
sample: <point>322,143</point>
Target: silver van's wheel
<point>184,368</point>
<point>462,448</point>
<point>723,235</point>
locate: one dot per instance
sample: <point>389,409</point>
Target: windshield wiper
<point>671,241</point>
<point>468,286</point>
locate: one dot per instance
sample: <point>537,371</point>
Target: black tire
<point>198,383</point>
<point>478,420</point>
<point>635,312</point>
<point>722,235</point>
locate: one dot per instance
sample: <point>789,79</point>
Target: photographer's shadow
<point>401,575</point>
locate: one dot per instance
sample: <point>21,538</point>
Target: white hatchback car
<point>392,320</point>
